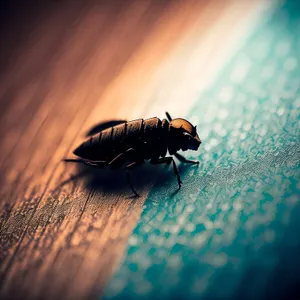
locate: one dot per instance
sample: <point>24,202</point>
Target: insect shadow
<point>109,181</point>
<point>119,144</point>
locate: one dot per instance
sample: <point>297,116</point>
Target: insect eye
<point>188,136</point>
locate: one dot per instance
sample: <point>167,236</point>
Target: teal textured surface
<point>233,231</point>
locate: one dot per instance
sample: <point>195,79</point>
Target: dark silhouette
<point>133,142</point>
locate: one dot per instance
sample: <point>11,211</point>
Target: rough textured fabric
<point>233,229</point>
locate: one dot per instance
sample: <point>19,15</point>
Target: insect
<point>114,143</point>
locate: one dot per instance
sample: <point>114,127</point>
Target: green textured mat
<point>233,231</point>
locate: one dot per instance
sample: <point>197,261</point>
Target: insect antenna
<point>168,116</point>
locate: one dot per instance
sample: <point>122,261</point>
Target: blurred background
<point>230,67</point>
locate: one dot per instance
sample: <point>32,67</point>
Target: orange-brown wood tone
<point>64,66</point>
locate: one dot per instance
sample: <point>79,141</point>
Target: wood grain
<point>75,63</point>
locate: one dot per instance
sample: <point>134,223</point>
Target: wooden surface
<point>64,66</point>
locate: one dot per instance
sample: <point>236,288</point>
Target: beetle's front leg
<point>168,160</point>
<point>184,160</point>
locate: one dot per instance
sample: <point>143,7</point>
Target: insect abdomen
<point>90,148</point>
<point>112,140</point>
<point>134,128</point>
<point>154,138</point>
<point>145,136</point>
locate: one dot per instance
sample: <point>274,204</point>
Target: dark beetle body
<point>147,137</point>
<point>138,140</point>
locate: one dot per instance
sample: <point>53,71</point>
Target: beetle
<point>115,142</point>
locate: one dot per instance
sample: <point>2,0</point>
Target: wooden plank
<point>84,62</point>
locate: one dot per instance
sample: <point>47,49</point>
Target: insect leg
<point>96,164</point>
<point>168,160</point>
<point>184,160</point>
<point>128,174</point>
<point>91,163</point>
<point>117,161</point>
<point>74,160</point>
<point>121,158</point>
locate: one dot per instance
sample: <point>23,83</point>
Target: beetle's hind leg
<point>90,163</point>
<point>128,174</point>
<point>120,159</point>
<point>168,160</point>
